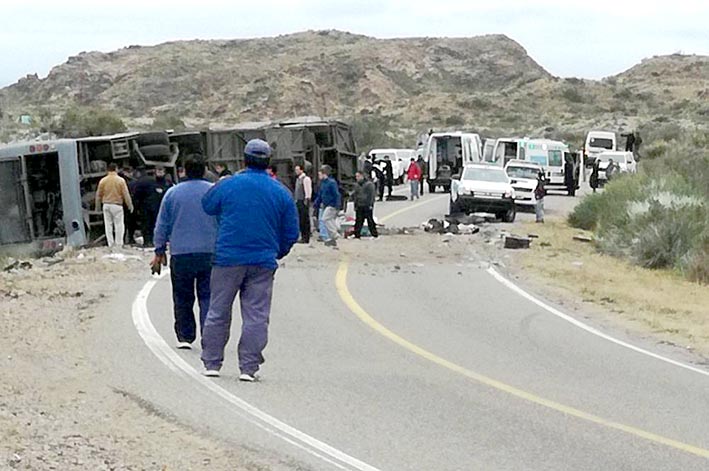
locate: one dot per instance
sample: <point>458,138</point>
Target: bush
<point>167,121</point>
<point>658,218</point>
<point>89,121</point>
<point>372,131</point>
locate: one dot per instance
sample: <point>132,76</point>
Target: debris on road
<point>517,242</point>
<point>18,265</point>
<point>583,238</point>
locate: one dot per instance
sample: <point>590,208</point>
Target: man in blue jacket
<point>258,225</point>
<point>191,234</point>
<point>330,200</point>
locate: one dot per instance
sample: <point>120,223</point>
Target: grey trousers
<point>255,288</point>
<point>329,217</point>
<point>539,210</point>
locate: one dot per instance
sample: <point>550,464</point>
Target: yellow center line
<point>409,208</point>
<point>353,305</point>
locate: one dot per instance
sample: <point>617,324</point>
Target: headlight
<point>510,194</point>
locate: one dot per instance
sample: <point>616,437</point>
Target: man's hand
<point>307,201</point>
<point>157,263</point>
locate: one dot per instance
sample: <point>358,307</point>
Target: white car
<point>624,160</point>
<point>400,160</point>
<point>523,176</point>
<point>483,188</point>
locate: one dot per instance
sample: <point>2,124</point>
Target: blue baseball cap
<point>257,148</point>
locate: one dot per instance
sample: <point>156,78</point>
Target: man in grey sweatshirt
<point>364,196</point>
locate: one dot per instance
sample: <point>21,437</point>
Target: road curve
<point>441,367</point>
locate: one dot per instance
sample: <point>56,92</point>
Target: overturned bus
<point>48,188</point>
<point>309,142</point>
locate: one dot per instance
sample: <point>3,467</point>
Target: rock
<point>447,238</point>
<point>577,263</point>
<point>545,244</point>
<point>516,242</point>
<point>583,238</point>
<point>397,267</point>
<point>533,236</point>
<point>17,265</point>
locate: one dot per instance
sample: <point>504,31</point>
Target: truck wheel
<point>152,139</point>
<point>156,152</point>
<point>510,215</point>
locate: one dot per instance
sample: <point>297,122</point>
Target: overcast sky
<point>590,39</point>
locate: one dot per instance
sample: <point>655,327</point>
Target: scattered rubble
<point>17,265</point>
<point>517,242</point>
<point>583,238</point>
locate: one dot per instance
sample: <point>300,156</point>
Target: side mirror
<point>456,176</point>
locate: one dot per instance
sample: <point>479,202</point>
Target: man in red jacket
<point>413,174</point>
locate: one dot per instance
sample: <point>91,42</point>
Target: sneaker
<point>331,243</point>
<point>249,377</point>
<point>184,346</point>
<point>212,373</point>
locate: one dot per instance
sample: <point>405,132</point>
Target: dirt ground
<point>56,412</point>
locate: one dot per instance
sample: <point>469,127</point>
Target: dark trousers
<point>254,285</point>
<point>190,274</point>
<point>380,189</point>
<point>304,219</point>
<point>421,186</point>
<point>131,221</point>
<point>147,227</point>
<point>363,214</point>
<point>390,186</point>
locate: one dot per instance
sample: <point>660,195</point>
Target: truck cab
<point>447,153</point>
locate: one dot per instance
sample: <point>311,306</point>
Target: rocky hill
<point>487,83</point>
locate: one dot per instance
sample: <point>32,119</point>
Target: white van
<point>447,153</point>
<point>545,152</point>
<point>597,142</point>
<point>400,159</point>
<point>625,161</point>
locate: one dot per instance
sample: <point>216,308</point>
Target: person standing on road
<point>364,196</point>
<point>539,194</point>
<point>379,181</point>
<point>413,174</point>
<point>388,175</point>
<point>331,201</point>
<point>569,174</point>
<point>611,170</point>
<point>257,226</point>
<point>367,166</point>
<point>191,234</point>
<point>593,180</point>
<point>424,169</point>
<point>303,196</point>
<point>130,217</point>
<point>113,194</point>
<point>149,192</point>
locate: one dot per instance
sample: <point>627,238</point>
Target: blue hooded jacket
<point>329,194</point>
<point>258,220</point>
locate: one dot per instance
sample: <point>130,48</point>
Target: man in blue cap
<point>258,225</point>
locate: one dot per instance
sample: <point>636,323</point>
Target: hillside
<point>488,83</point>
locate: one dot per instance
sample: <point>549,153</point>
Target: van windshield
<point>555,158</point>
<point>603,142</point>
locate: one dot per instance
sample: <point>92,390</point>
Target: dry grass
<point>657,301</point>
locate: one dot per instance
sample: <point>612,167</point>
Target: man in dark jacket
<point>258,225</point>
<point>149,192</point>
<point>424,171</point>
<point>380,183</point>
<point>364,196</point>
<point>569,176</point>
<point>388,175</point>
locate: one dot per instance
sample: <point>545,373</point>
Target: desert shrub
<point>168,120</point>
<point>371,131</point>
<point>455,120</point>
<point>658,218</point>
<point>573,95</point>
<point>88,121</point>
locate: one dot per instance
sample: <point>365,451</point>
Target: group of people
<point>130,200</point>
<point>381,173</point>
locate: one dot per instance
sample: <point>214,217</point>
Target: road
<point>437,368</point>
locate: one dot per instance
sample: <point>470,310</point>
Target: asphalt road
<point>442,369</point>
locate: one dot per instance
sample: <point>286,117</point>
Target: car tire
<point>509,215</point>
<point>147,139</point>
<point>156,152</point>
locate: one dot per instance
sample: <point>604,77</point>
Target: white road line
<point>255,416</point>
<point>588,328</point>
